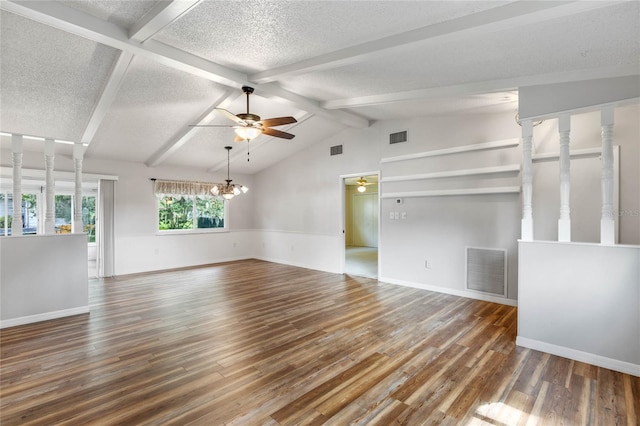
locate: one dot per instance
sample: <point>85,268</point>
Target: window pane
<point>5,218</point>
<point>89,217</point>
<point>210,212</point>
<point>63,214</point>
<point>175,213</point>
<point>29,214</point>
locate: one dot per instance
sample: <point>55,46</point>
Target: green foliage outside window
<point>181,212</point>
<point>89,217</point>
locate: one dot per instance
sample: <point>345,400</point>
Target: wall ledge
<point>576,355</point>
<point>577,243</point>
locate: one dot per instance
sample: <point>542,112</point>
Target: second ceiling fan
<point>249,126</point>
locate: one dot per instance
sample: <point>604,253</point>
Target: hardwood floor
<point>256,343</point>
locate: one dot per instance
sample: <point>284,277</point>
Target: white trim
<point>44,316</point>
<point>576,355</point>
<point>449,192</point>
<point>507,143</point>
<point>451,291</point>
<point>454,173</point>
<point>57,174</point>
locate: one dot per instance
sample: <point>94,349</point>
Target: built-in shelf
<point>574,153</point>
<point>448,192</point>
<point>507,143</point>
<point>455,173</point>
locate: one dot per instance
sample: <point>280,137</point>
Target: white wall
<point>581,301</point>
<point>437,228</point>
<point>42,277</point>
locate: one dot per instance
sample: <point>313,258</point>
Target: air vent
<point>336,150</point>
<point>487,270</point>
<point>398,137</point>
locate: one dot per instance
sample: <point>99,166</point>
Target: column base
<point>526,233</point>
<point>607,231</point>
<point>564,230</point>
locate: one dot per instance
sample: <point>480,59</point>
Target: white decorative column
<point>78,152</point>
<point>607,221</point>
<point>527,181</point>
<point>50,191</point>
<point>16,160</point>
<point>564,223</point>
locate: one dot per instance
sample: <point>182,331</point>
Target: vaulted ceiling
<point>127,78</point>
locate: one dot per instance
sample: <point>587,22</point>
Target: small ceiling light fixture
<point>228,190</point>
<point>361,184</point>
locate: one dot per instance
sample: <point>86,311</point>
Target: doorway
<point>361,224</point>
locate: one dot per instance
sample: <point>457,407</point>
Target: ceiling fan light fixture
<point>361,184</point>
<point>248,132</point>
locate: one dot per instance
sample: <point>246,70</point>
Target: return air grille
<point>487,270</point>
<point>336,150</point>
<point>398,137</point>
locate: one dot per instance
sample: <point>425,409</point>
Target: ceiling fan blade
<point>231,116</point>
<point>279,121</point>
<point>277,133</point>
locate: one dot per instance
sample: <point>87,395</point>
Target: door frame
<point>343,212</point>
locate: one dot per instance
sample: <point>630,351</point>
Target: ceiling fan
<point>249,126</point>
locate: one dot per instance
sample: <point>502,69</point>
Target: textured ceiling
<point>129,77</point>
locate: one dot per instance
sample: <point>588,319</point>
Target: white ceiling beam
<point>478,87</point>
<point>274,91</point>
<point>511,15</point>
<point>84,25</point>
<point>162,14</point>
<point>107,97</point>
<point>260,142</point>
<point>188,132</point>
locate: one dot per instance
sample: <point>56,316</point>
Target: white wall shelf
<point>574,153</point>
<point>450,192</point>
<point>507,143</point>
<point>455,173</point>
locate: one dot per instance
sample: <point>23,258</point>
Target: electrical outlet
<point>427,264</point>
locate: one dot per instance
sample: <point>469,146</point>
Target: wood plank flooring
<point>257,343</point>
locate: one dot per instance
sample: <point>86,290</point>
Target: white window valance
<point>181,187</point>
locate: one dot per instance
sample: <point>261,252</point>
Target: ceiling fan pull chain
<point>248,150</point>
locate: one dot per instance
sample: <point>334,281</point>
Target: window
<point>32,216</point>
<point>190,212</point>
<point>63,214</point>
<point>89,217</point>
<point>29,213</point>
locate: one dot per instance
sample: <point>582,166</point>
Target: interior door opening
<point>361,225</point>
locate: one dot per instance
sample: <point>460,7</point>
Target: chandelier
<point>228,190</point>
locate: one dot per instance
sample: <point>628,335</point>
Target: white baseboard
<point>297,264</point>
<point>576,355</point>
<point>453,292</point>
<point>43,317</point>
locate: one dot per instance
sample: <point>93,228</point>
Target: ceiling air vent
<point>398,137</point>
<point>336,150</point>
